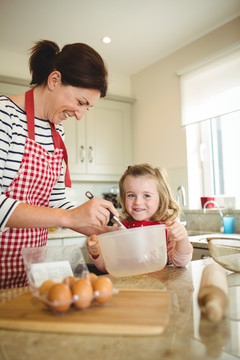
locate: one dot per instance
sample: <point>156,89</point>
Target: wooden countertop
<point>188,335</point>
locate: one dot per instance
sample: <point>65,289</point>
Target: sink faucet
<point>181,191</point>
<point>220,212</point>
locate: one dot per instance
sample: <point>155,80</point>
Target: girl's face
<point>141,197</point>
<point>67,101</point>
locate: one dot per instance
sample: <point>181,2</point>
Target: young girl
<point>146,200</point>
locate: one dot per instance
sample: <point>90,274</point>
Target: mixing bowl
<point>226,252</point>
<point>134,251</point>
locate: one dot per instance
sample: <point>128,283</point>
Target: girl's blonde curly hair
<point>168,208</point>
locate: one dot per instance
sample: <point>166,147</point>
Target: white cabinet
<point>100,144</point>
<point>200,253</point>
<point>11,86</point>
<point>65,238</point>
<point>54,242</point>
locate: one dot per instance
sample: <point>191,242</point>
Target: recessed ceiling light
<point>106,40</point>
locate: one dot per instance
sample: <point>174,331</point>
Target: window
<point>211,115</point>
<point>218,156</point>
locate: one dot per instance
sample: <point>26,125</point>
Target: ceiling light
<point>106,40</point>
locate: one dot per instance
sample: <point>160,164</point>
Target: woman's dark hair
<point>79,65</point>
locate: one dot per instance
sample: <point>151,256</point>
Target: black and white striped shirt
<point>13,134</point>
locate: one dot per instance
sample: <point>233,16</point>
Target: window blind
<point>211,90</point>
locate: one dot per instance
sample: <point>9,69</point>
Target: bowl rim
<point>132,230</point>
<point>231,243</point>
<point>219,245</point>
<point>221,238</point>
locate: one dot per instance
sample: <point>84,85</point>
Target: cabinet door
<point>54,242</point>
<point>200,254</point>
<point>100,145</point>
<point>75,141</point>
<point>109,135</point>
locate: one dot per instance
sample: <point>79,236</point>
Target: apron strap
<point>29,105</point>
<point>58,143</point>
<point>57,139</point>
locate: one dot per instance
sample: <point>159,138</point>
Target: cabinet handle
<point>90,154</point>
<point>82,153</point>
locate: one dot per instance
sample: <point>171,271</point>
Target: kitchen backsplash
<point>211,220</point>
<point>77,195</point>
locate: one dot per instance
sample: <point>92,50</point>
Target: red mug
<point>205,199</point>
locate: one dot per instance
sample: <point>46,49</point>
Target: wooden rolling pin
<point>213,292</point>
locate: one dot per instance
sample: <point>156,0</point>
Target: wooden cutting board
<point>129,312</point>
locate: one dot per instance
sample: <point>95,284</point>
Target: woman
<point>66,83</point>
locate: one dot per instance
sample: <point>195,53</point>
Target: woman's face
<point>68,101</point>
<point>141,197</point>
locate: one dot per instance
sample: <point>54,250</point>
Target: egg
<point>91,277</point>
<point>82,291</point>
<point>60,297</point>
<point>104,288</point>
<point>45,287</point>
<point>69,281</point>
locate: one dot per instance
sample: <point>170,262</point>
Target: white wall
<point>158,135</point>
<point>14,65</point>
<point>119,85</point>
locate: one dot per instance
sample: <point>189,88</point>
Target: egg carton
<point>53,262</point>
<point>75,301</point>
<point>57,264</point>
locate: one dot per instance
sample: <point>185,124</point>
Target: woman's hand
<point>93,246</point>
<point>91,217</point>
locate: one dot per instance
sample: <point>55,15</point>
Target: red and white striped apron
<point>38,173</point>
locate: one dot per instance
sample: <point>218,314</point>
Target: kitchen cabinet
<point>200,247</point>
<point>200,253</point>
<point>100,144</point>
<point>69,237</point>
<point>11,86</point>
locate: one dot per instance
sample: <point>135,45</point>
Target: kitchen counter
<point>188,335</point>
<point>200,241</point>
<point>197,240</point>
<point>60,233</point>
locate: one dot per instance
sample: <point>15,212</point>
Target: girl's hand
<point>178,234</point>
<point>93,246</point>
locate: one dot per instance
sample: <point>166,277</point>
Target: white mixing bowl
<point>134,251</point>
